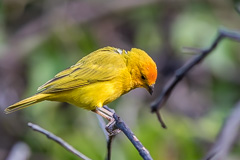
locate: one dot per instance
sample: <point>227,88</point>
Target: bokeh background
<point>40,38</point>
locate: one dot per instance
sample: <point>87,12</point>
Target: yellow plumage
<point>97,79</point>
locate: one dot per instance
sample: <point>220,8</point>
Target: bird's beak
<point>150,89</point>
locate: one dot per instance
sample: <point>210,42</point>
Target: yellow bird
<point>97,79</point>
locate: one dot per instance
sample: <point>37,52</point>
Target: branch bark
<point>120,124</point>
<point>109,147</point>
<point>58,140</point>
<point>181,72</point>
<point>137,144</point>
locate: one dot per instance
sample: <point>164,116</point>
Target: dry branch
<point>58,140</point>
<point>181,72</point>
<point>120,124</point>
<point>109,147</point>
<point>137,144</point>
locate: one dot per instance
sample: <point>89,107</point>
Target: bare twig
<point>181,72</point>
<point>109,147</point>
<point>137,144</point>
<point>161,120</point>
<point>120,124</point>
<point>226,137</point>
<point>58,140</point>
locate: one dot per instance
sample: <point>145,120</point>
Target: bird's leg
<point>108,114</point>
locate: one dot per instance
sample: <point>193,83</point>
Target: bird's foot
<point>111,128</point>
<point>108,113</point>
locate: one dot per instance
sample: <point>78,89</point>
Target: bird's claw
<point>111,128</point>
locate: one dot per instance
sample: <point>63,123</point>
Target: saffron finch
<point>97,79</point>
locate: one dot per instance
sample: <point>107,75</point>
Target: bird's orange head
<point>142,68</point>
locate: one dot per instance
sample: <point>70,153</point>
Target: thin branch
<point>226,137</point>
<point>109,147</point>
<point>161,120</point>
<point>58,140</point>
<point>137,144</point>
<point>181,72</point>
<point>120,124</point>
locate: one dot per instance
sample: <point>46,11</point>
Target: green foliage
<point>62,44</point>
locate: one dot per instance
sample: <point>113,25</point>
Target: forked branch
<point>181,72</point>
<point>120,124</point>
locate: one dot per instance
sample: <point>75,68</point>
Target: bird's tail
<point>25,103</point>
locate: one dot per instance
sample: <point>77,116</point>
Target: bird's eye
<point>143,77</point>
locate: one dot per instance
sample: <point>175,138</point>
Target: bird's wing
<point>101,65</point>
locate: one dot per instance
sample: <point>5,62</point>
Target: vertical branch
<point>109,147</point>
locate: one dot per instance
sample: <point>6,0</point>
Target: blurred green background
<point>40,38</point>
